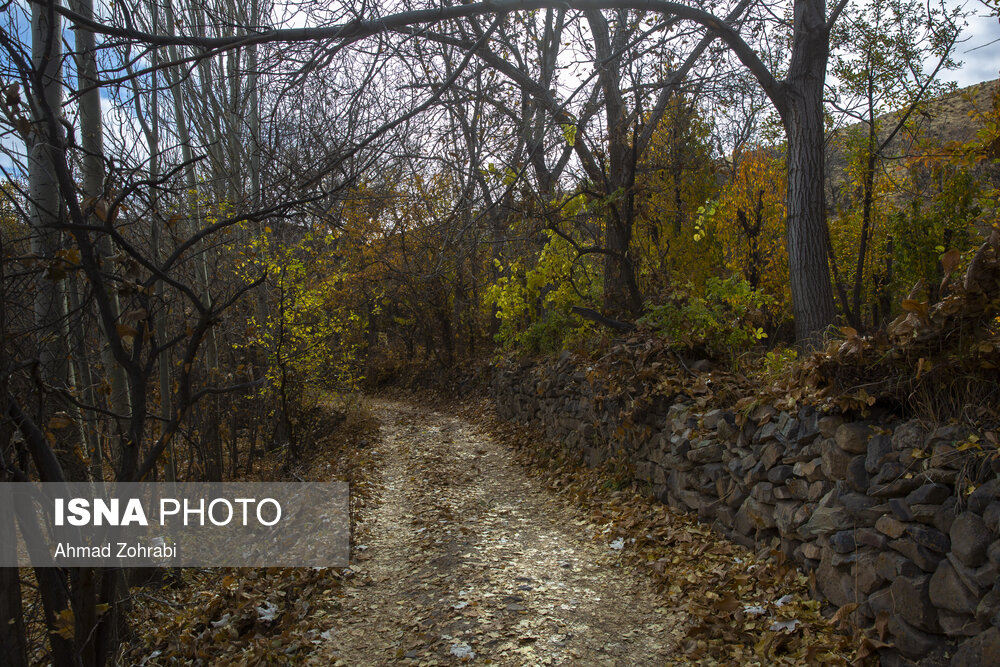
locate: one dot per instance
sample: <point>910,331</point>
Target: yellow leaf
<point>64,623</point>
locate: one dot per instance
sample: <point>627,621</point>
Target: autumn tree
<point>881,83</point>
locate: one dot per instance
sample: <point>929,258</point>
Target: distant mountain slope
<point>939,122</point>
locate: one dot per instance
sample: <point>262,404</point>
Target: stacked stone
<point>879,511</point>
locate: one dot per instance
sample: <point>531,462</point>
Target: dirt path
<point>464,560</point>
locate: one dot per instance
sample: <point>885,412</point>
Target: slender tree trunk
<point>46,204</point>
<point>93,175</point>
<point>867,204</point>
<point>13,649</point>
<point>12,646</point>
<point>156,240</point>
<point>210,431</point>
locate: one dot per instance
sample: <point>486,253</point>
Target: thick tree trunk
<point>801,109</point>
<point>621,292</point>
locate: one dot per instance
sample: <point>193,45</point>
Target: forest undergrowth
<point>260,616</point>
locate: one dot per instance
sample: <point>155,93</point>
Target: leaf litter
<point>486,544</point>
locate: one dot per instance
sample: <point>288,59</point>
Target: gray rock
<point>911,601</point>
<point>910,641</point>
<point>922,557</point>
<point>880,602</point>
<point>725,431</point>
<point>944,517</point>
<point>808,425</point>
<point>984,495</point>
<point>890,526</point>
<point>940,476</point>
<point>929,494</point>
<point>857,476</point>
<point>983,650</point>
<point>865,573</point>
<point>706,451</point>
<point>835,584</point>
<point>711,419</point>
<point>807,453</point>
<point>909,435</point>
<point>991,517</point>
<point>755,474</point>
<point>763,412</point>
<point>843,541</point>
<point>825,520</point>
<point>779,474</point>
<point>811,550</point>
<point>890,565</point>
<point>993,553</point>
<point>725,517</point>
<point>900,509</point>
<point>760,515</point>
<point>898,487</point>
<point>644,471</point>
<point>959,625</point>
<point>879,447</point>
<point>944,455</point>
<point>870,538</point>
<point>889,472</point>
<point>828,425</point>
<point>924,513</point>
<point>929,537</point>
<point>817,490</point>
<point>970,539</point>
<point>766,432</point>
<point>853,438</point>
<point>811,471</point>
<point>764,492</point>
<point>835,460</point>
<point>988,609</point>
<point>840,560</point>
<point>790,429</point>
<point>949,434</point>
<point>948,592</point>
<point>788,517</point>
<point>680,446</point>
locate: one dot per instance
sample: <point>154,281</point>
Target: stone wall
<point>878,509</point>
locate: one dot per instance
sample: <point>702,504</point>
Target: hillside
<point>940,122</point>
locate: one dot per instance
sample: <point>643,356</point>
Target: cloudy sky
<point>980,52</point>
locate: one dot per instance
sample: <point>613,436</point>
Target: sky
<point>980,51</point>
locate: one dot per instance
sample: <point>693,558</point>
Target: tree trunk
<point>93,173</point>
<point>46,204</point>
<point>12,646</point>
<point>621,292</point>
<point>801,110</point>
